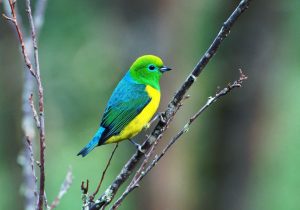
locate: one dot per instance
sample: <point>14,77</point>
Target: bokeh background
<point>242,154</point>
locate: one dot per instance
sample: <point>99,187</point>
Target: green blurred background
<point>243,153</point>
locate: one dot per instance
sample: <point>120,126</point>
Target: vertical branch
<point>41,106</point>
<point>28,123</point>
<point>36,25</point>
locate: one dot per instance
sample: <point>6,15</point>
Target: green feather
<point>141,73</point>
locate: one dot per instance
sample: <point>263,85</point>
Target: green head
<point>147,70</point>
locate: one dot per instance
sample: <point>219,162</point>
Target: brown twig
<point>14,20</point>
<point>63,189</point>
<point>85,187</point>
<point>84,196</point>
<point>210,101</point>
<point>27,119</point>
<point>173,106</point>
<point>28,124</point>
<point>104,172</point>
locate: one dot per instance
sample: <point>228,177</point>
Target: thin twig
<point>14,20</point>
<point>85,187</point>
<point>173,106</point>
<point>63,189</point>
<point>34,112</point>
<point>210,101</point>
<point>103,173</point>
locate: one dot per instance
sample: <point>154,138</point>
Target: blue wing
<point>127,101</point>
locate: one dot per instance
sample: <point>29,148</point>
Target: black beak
<point>164,69</point>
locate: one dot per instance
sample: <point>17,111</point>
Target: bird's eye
<point>151,67</point>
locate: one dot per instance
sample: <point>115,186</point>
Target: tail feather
<point>92,144</point>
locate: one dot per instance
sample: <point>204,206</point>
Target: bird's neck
<point>144,81</point>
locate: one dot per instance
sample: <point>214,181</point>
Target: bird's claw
<point>162,117</point>
<point>139,147</point>
<point>159,115</point>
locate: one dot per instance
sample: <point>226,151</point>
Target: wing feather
<point>126,102</point>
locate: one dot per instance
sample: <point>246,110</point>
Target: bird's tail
<point>92,144</point>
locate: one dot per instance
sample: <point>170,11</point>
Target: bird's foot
<point>138,146</point>
<point>140,149</point>
<point>162,117</point>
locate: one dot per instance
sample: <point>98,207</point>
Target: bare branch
<point>41,106</point>
<point>36,75</point>
<point>210,101</point>
<point>63,189</point>
<point>14,20</point>
<point>9,18</point>
<point>173,107</point>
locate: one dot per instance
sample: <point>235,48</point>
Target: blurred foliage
<point>241,154</point>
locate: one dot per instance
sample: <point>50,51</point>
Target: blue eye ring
<point>151,67</point>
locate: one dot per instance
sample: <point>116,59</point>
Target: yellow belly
<point>139,122</point>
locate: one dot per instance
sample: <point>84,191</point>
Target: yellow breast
<point>139,122</point>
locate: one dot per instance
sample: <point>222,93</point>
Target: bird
<point>132,104</point>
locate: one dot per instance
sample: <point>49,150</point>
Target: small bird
<point>132,104</point>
